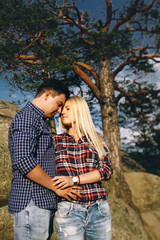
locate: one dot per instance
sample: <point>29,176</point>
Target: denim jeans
<point>33,223</point>
<point>75,221</point>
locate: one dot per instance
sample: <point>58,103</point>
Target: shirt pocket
<point>45,139</point>
<point>62,157</point>
<point>61,154</point>
<point>91,157</point>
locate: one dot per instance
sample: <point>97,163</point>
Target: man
<point>32,199</point>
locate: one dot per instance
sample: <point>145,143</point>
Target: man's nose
<point>62,111</point>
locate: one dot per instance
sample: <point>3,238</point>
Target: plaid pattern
<point>30,142</point>
<point>74,159</point>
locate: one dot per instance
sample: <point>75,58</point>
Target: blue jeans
<point>33,223</point>
<point>75,221</point>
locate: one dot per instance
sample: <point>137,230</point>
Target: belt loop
<point>72,205</point>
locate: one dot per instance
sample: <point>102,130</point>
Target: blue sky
<point>7,95</point>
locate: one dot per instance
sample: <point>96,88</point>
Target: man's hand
<point>69,193</point>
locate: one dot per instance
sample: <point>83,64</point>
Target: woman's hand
<point>62,182</point>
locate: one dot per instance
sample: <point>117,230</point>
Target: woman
<point>81,159</point>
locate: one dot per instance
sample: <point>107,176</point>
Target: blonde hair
<point>84,125</point>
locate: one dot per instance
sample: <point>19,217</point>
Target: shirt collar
<point>83,138</point>
<point>36,109</point>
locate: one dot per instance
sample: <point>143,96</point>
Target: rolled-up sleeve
<point>25,144</point>
<point>105,167</point>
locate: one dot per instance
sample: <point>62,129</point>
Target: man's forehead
<point>61,98</point>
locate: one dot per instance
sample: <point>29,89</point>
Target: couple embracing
<point>58,177</point>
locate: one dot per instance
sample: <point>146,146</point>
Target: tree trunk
<point>109,113</point>
<point>118,187</point>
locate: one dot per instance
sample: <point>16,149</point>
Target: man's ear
<point>47,94</point>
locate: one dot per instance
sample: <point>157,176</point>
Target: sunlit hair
<point>83,124</point>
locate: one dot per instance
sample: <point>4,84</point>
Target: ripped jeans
<point>89,222</point>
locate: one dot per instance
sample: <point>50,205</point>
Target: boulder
<point>7,112</point>
<point>146,196</point>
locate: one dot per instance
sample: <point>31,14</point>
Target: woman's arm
<point>66,181</point>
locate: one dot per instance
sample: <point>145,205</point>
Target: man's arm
<point>39,176</point>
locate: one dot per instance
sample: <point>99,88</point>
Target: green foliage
<point>144,114</point>
<point>107,44</point>
<point>142,65</point>
<point>147,150</point>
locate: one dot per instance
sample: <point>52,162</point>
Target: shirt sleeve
<point>105,167</point>
<point>25,144</point>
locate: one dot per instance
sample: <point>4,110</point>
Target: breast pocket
<point>91,157</point>
<point>61,154</point>
<point>45,140</point>
<point>63,163</point>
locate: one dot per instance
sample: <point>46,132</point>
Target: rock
<point>7,109</point>
<point>6,224</point>
<point>126,224</point>
<point>7,112</point>
<point>146,196</point>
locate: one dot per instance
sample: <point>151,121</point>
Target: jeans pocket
<point>103,208</point>
<point>20,219</point>
<point>64,209</point>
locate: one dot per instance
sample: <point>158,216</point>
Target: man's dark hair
<point>54,85</point>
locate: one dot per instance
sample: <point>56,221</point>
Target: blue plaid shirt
<point>30,143</point>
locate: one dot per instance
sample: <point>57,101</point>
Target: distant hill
<point>130,165</point>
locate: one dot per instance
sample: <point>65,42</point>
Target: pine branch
<point>87,80</point>
<point>129,17</point>
<point>90,69</point>
<point>109,16</point>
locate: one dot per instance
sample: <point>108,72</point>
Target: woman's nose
<point>62,112</point>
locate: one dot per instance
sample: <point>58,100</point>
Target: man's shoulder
<point>27,113</point>
<point>26,118</point>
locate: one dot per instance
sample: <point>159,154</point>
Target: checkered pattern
<point>30,142</point>
<point>74,159</point>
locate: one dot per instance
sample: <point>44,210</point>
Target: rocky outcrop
<point>146,196</point>
<point>126,218</point>
<point>7,112</point>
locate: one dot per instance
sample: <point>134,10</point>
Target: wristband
<point>78,180</point>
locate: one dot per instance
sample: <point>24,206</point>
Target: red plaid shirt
<point>76,158</point>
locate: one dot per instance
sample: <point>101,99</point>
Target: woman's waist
<point>88,197</point>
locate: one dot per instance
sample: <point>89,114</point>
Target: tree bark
<point>109,114</point>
